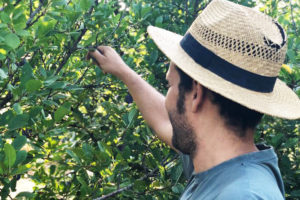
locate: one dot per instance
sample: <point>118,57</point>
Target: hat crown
<point>242,36</point>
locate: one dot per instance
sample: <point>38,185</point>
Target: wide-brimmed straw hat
<point>237,52</point>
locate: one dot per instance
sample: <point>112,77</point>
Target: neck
<point>219,145</point>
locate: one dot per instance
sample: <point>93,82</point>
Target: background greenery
<point>76,132</point>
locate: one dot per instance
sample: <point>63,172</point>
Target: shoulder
<point>237,193</point>
<point>251,182</point>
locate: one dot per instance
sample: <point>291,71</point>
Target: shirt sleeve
<point>188,166</point>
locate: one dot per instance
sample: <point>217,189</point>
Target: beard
<point>183,137</point>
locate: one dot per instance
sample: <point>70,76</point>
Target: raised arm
<point>150,102</point>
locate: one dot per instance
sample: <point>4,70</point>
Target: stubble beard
<point>183,137</point>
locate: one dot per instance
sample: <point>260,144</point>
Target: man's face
<point>183,137</point>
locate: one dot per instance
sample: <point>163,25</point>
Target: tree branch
<point>81,78</point>
<point>140,179</point>
<point>30,21</point>
<point>74,46</point>
<point>30,7</point>
<point>293,20</point>
<point>9,96</point>
<point>186,9</point>
<point>70,50</point>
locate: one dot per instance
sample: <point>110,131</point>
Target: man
<point>222,78</point>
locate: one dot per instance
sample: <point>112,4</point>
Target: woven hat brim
<point>282,102</point>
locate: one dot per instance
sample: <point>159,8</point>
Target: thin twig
<point>105,42</point>
<point>140,179</point>
<point>30,7</point>
<point>81,78</point>
<point>293,20</point>
<point>29,21</point>
<point>186,9</point>
<point>73,48</point>
<point>70,50</point>
<point>37,18</point>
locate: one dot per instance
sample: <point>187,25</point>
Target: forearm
<point>151,104</point>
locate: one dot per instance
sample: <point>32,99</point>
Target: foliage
<point>75,131</point>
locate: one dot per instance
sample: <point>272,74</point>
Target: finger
<point>96,56</point>
<point>102,49</point>
<point>88,56</point>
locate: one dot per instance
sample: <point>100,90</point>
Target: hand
<point>108,60</point>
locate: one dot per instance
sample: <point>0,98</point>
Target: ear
<point>198,97</point>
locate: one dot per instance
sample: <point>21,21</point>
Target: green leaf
<point>1,143</point>
<point>50,80</point>
<point>27,74</point>
<point>140,185</point>
<point>3,74</point>
<point>146,11</point>
<point>21,170</point>
<point>18,108</point>
<point>59,2</point>
<point>295,193</point>
<point>23,33</point>
<point>18,13</point>
<point>12,40</point>
<point>34,111</point>
<point>73,155</point>
<point>153,56</point>
<point>100,146</point>
<point>178,188</point>
<point>52,169</point>
<point>4,17</point>
<point>3,26</point>
<point>158,21</point>
<point>6,117</point>
<point>85,4</point>
<point>58,85</point>
<point>19,142</point>
<point>84,187</point>
<point>176,172</point>
<point>21,156</point>
<point>87,150</point>
<point>27,195</point>
<point>18,121</point>
<point>61,112</point>
<point>2,57</point>
<point>10,155</point>
<point>132,115</point>
<point>33,85</point>
<point>2,156</point>
<point>291,54</point>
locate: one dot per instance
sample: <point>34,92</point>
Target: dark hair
<point>237,117</point>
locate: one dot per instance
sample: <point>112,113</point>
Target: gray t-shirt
<point>250,176</point>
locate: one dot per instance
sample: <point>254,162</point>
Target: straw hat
<point>236,52</point>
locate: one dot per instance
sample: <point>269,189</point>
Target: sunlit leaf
<point>10,155</point>
<point>33,85</point>
<point>12,40</point>
<point>19,142</point>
